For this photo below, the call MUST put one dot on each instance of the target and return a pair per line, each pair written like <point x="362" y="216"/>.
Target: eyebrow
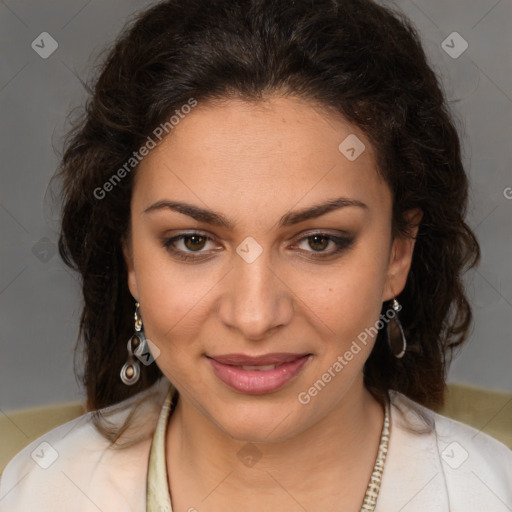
<point x="289" y="219"/>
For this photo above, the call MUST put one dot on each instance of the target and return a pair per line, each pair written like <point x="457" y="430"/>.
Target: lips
<point x="257" y="374"/>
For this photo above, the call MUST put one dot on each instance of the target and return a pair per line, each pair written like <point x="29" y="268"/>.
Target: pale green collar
<point x="157" y="489"/>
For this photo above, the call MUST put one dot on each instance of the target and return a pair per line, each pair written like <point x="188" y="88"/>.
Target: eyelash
<point x="342" y="243"/>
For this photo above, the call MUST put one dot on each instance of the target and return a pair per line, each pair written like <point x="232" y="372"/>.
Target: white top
<point x="450" y="468"/>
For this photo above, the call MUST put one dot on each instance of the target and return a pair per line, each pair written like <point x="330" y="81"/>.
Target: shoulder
<point x="75" y="467"/>
<point x="448" y="430"/>
<point x="471" y="463"/>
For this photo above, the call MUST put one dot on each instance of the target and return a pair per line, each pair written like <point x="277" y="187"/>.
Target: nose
<point x="256" y="300"/>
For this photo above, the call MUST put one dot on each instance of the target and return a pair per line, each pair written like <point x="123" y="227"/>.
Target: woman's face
<point x="261" y="274"/>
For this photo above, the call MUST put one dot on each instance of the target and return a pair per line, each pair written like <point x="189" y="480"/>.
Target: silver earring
<point x="130" y="372"/>
<point x="396" y="337"/>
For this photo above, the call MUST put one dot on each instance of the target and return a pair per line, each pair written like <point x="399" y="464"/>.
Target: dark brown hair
<point x="355" y="57"/>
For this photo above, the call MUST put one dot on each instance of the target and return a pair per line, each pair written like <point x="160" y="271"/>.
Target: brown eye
<point x="190" y="243"/>
<point x="318" y="242"/>
<point x="194" y="242"/>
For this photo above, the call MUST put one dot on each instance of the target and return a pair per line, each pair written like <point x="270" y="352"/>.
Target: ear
<point x="401" y="258"/>
<point x="128" y="258"/>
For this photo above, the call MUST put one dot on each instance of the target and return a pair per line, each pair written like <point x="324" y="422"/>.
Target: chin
<point x="258" y="423"/>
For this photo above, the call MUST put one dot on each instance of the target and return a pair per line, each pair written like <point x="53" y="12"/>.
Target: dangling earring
<point x="396" y="337"/>
<point x="130" y="372"/>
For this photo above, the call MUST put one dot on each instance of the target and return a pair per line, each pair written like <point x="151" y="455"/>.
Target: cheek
<point x="349" y="299"/>
<point x="172" y="304"/>
<point x="169" y="293"/>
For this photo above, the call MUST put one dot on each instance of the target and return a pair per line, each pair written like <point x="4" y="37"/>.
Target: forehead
<point x="243" y="155"/>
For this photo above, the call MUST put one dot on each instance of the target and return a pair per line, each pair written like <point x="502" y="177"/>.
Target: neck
<point x="338" y="451"/>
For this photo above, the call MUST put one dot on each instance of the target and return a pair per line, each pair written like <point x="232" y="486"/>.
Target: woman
<point x="265" y="201"/>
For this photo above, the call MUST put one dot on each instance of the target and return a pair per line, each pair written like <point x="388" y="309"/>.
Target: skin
<point x="254" y="162"/>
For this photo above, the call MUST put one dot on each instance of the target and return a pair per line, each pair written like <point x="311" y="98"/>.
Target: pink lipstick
<point x="257" y="374"/>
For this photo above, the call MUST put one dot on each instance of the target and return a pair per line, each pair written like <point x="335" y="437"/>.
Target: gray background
<point x="39" y="297"/>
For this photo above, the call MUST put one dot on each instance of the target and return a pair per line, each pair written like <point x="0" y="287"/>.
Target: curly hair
<point x="355" y="57"/>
